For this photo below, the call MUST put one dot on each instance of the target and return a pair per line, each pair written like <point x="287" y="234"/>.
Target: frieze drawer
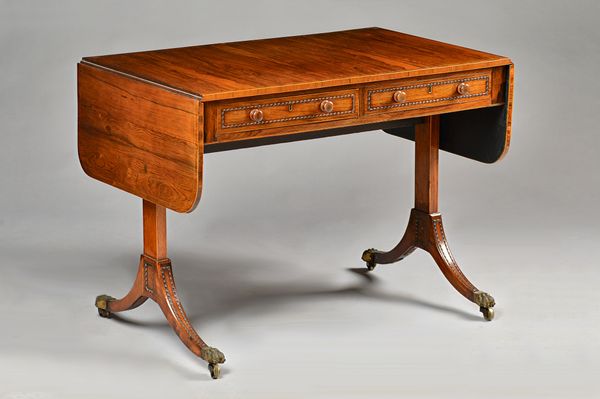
<point x="423" y="93"/>
<point x="257" y="116"/>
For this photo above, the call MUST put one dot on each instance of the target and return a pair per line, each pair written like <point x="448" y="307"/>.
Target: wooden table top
<point x="269" y="66"/>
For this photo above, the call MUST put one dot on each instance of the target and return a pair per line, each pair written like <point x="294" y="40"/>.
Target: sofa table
<point x="146" y="119"/>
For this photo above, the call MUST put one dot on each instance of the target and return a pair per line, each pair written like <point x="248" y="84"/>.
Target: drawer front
<point x="411" y="94"/>
<point x="257" y="115"/>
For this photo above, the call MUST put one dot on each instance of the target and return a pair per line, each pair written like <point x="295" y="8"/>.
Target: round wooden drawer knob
<point x="399" y="96"/>
<point x="463" y="88"/>
<point x="327" y="106"/>
<point x="256" y="115"/>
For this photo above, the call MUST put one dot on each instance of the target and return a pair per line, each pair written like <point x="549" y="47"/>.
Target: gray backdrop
<point x="262" y="263"/>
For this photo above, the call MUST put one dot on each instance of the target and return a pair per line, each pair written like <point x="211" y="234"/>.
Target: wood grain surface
<point x="140" y="138"/>
<point x="269" y="66"/>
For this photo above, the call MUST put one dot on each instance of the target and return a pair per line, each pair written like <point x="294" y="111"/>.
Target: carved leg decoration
<point x="439" y="250"/>
<point x="425" y="229"/>
<point x="155" y="281"/>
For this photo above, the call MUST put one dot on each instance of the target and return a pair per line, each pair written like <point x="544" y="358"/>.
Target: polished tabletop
<point x="269" y="66"/>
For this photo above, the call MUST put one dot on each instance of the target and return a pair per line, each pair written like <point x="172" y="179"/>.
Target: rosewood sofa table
<point x="146" y="119"/>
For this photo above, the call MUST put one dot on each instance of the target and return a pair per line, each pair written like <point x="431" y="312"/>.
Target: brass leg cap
<point x="369" y="257"/>
<point x="102" y="305"/>
<point x="483" y="299"/>
<point x="212" y="355"/>
<point x="215" y="370"/>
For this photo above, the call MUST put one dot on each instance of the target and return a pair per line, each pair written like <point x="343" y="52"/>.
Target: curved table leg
<point x="107" y="305"/>
<point x="155" y="280"/>
<point x="437" y="246"/>
<point x="426" y="231"/>
<point x="405" y="247"/>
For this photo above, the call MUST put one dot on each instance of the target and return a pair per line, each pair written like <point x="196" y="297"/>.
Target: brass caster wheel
<point x="488" y="313"/>
<point x="104" y="313"/>
<point x="215" y="370"/>
<point x="369" y="257"/>
<point x="102" y="305"/>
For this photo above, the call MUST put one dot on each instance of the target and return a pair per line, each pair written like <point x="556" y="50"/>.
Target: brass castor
<point x="102" y="305"/>
<point x="104" y="313"/>
<point x="488" y="313"/>
<point x="215" y="370"/>
<point x="369" y="258"/>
